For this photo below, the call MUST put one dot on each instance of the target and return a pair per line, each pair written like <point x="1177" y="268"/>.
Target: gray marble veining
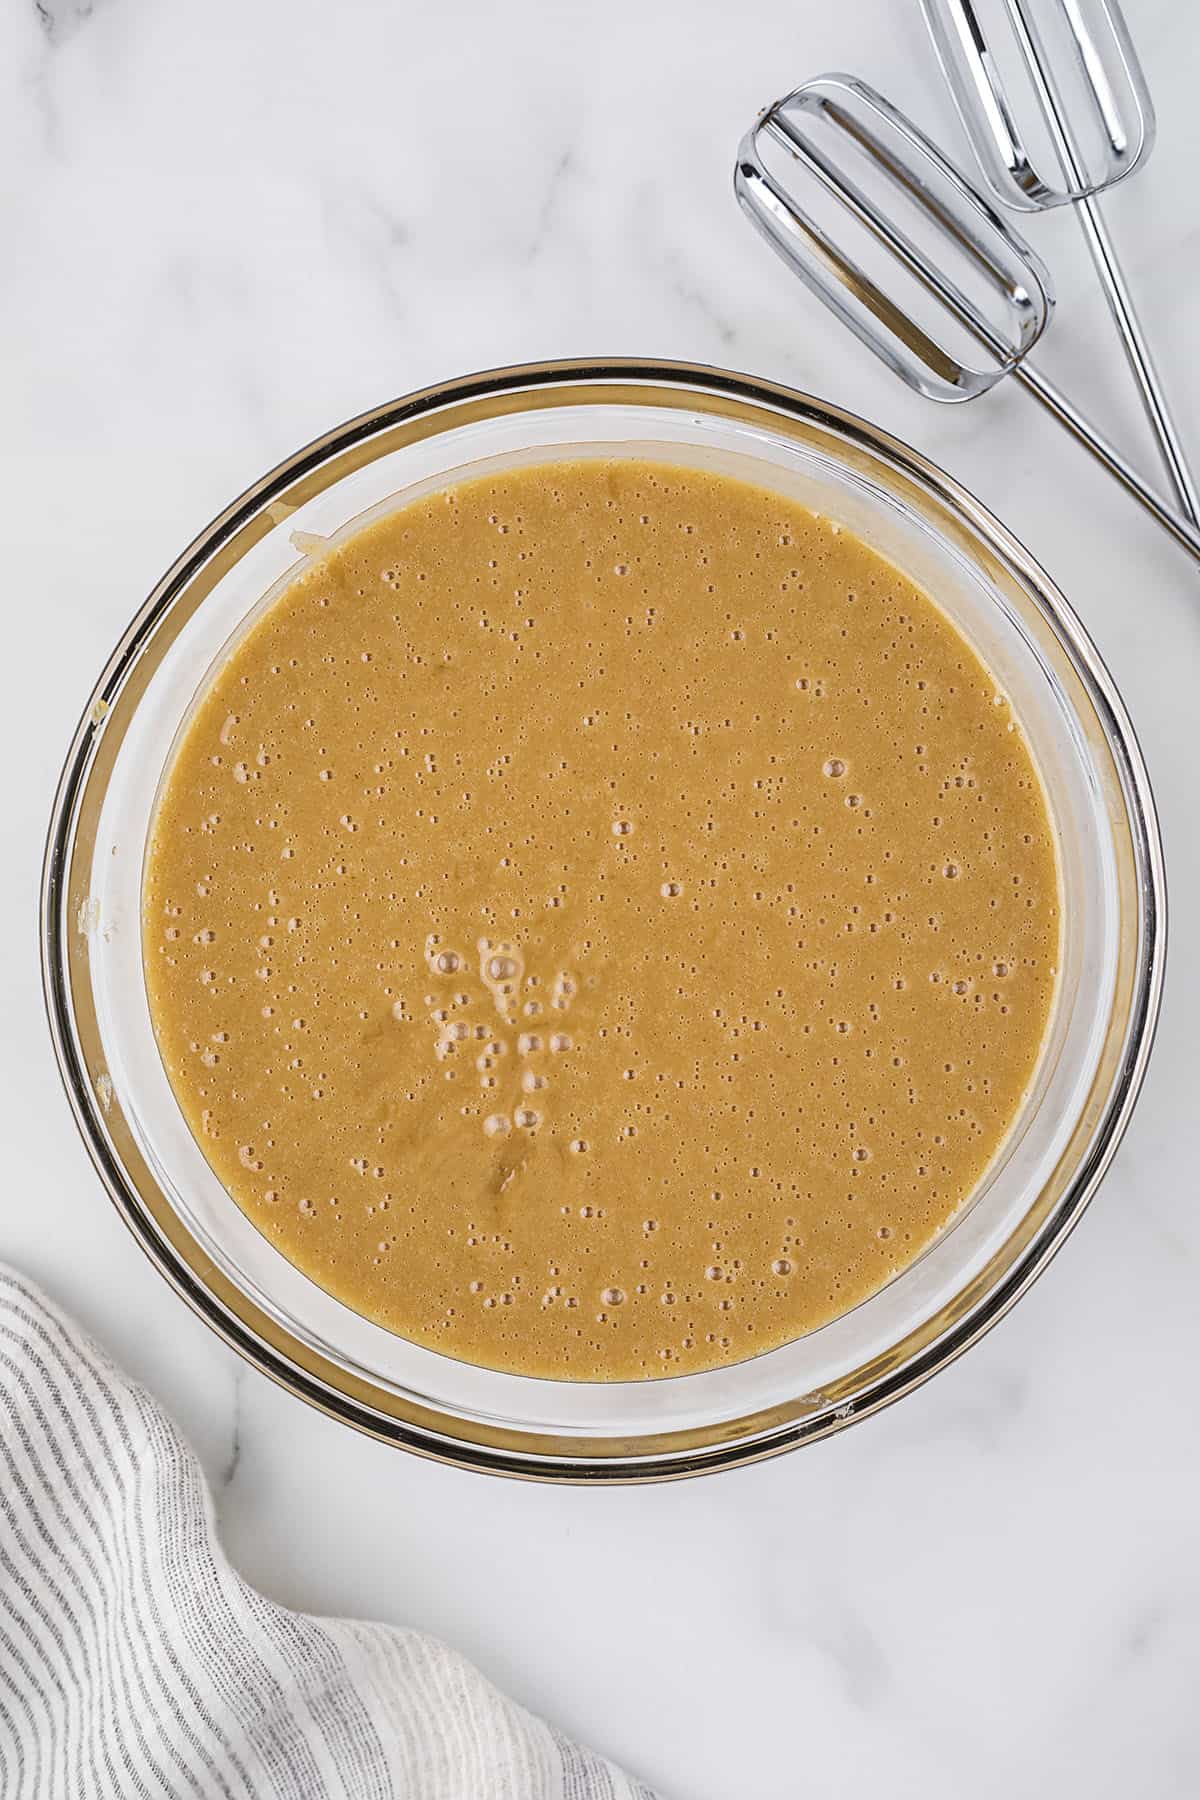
<point x="228" y="227"/>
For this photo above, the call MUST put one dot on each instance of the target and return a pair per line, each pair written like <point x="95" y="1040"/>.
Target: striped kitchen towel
<point x="135" y="1662"/>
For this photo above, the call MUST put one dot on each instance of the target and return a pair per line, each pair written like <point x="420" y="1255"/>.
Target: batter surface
<point x="601" y="920"/>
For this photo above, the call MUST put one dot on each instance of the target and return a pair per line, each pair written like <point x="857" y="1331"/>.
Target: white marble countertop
<point x="227" y="227"/>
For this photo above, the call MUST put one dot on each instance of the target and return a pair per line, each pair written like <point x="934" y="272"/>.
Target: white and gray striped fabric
<point x="135" y="1662"/>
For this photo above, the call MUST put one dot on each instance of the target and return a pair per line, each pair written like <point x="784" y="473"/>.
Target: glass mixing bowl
<point x="1038" y="1184"/>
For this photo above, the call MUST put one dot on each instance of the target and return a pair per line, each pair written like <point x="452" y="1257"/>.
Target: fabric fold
<point x="135" y="1662"/>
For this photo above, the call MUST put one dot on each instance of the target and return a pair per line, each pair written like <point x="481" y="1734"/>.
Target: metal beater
<point x="1098" y="137"/>
<point x="973" y="307"/>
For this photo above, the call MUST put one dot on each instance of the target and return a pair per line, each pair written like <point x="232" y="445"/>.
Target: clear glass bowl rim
<point x="259" y="1339"/>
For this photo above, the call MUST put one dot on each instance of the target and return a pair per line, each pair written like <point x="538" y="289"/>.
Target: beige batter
<point x="601" y="920"/>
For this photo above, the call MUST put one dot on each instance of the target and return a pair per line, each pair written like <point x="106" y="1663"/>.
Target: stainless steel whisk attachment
<point x="893" y="238"/>
<point x="1087" y="101"/>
